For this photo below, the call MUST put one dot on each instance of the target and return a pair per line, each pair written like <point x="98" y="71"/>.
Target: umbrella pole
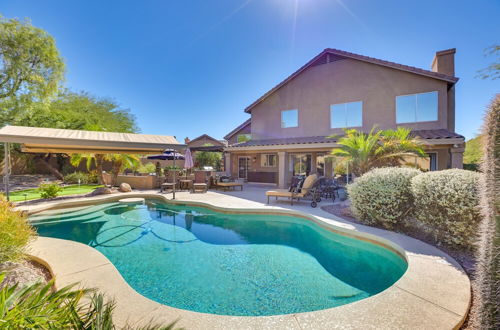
<point x="173" y="189"/>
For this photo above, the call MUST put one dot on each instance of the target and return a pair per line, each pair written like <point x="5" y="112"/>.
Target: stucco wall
<point x="244" y="130"/>
<point x="313" y="91"/>
<point x="202" y="142"/>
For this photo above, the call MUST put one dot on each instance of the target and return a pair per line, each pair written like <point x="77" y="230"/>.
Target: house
<point x="203" y="142"/>
<point x="290" y="124"/>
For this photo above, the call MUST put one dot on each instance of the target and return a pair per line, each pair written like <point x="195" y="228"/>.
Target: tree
<point x="472" y="153"/>
<point x="119" y="162"/>
<point x="208" y="158"/>
<point x="70" y="110"/>
<point x="492" y="71"/>
<point x="364" y="151"/>
<point x="31" y="64"/>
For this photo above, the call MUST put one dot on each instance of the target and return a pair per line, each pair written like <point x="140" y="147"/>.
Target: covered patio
<point x="52" y="140"/>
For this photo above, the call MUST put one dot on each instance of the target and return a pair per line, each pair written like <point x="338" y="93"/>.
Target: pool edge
<point x="403" y="287"/>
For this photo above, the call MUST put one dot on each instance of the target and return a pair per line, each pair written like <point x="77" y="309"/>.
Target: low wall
<point x="138" y="182"/>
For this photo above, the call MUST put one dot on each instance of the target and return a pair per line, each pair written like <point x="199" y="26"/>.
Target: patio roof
<point x="436" y="136"/>
<point x="45" y="140"/>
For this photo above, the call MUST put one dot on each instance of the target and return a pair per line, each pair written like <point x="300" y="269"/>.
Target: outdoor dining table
<point x="185" y="184"/>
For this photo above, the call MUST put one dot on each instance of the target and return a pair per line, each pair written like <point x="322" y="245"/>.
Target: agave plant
<point x="38" y="306"/>
<point x="364" y="151"/>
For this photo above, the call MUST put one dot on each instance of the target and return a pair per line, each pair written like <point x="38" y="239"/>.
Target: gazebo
<point x="52" y="140"/>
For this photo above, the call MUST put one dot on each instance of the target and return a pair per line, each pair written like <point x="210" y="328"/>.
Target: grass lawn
<point x="18" y="196"/>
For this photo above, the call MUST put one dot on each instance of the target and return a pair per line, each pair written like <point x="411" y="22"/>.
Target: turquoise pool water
<point x="231" y="264"/>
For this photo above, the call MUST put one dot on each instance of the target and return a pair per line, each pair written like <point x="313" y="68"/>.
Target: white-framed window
<point x="268" y="160"/>
<point x="416" y="108"/>
<point x="346" y="115"/>
<point x="243" y="137"/>
<point x="289" y="118"/>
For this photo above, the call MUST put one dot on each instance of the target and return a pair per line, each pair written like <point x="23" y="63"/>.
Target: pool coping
<point x="434" y="292"/>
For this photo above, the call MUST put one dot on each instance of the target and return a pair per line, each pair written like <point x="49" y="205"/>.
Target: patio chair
<point x="168" y="184"/>
<point x="294" y="193"/>
<point x="200" y="182"/>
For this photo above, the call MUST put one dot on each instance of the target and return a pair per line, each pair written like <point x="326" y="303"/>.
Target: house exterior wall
<point x="348" y="80"/>
<point x="244" y="130"/>
<point x="203" y="141"/>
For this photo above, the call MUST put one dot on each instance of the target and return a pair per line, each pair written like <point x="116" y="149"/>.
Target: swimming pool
<point x="198" y="259"/>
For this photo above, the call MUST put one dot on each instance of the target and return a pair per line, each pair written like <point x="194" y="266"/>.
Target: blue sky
<point x="186" y="67"/>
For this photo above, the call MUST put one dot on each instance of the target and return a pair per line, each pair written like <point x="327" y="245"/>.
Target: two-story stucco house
<point x="290" y="124"/>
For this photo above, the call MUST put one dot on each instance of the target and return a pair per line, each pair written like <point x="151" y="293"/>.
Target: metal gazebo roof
<point x="44" y="140"/>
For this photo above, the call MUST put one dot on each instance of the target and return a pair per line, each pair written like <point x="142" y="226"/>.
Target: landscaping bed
<point x="31" y="194"/>
<point x="24" y="273"/>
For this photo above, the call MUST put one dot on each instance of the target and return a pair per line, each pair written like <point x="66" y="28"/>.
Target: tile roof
<point x="339" y="54"/>
<point x="436" y="134"/>
<point x="286" y="141"/>
<point x="423" y="134"/>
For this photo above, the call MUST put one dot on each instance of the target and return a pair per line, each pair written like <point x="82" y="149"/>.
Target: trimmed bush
<point x="49" y="190"/>
<point x="447" y="201"/>
<point x="383" y="196"/>
<point x="15" y="232"/>
<point x="85" y="178"/>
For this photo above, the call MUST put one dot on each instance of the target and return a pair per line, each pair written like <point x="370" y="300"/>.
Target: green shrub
<point x="37" y="306"/>
<point x="147" y="168"/>
<point x="15" y="233"/>
<point x="383" y="196"/>
<point x="447" y="201"/>
<point x="85" y="178"/>
<point x="49" y="190"/>
<point x="471" y="167"/>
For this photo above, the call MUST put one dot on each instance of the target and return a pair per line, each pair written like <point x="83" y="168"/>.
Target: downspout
<point x="6" y="169"/>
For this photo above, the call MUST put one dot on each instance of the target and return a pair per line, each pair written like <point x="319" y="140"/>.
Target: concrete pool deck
<point x="433" y="293"/>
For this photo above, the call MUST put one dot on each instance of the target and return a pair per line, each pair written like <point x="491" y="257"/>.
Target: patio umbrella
<point x="188" y="160"/>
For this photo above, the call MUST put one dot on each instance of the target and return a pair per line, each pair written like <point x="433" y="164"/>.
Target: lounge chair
<point x="226" y="183"/>
<point x="294" y="193"/>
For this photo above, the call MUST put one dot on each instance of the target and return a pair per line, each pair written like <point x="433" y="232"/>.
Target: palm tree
<point x="98" y="159"/>
<point x="119" y="162"/>
<point x="364" y="151"/>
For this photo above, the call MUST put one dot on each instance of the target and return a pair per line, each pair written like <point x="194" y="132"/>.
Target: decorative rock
<point x="125" y="187"/>
<point x="101" y="191"/>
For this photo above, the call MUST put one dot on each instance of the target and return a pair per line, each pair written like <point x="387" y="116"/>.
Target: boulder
<point x="101" y="191"/>
<point x="125" y="187"/>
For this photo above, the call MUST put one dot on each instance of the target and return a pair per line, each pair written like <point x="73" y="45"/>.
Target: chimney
<point x="444" y="62"/>
<point x="186" y="140"/>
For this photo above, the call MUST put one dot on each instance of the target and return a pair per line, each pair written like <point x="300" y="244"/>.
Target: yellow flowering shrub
<point x="15" y="232"/>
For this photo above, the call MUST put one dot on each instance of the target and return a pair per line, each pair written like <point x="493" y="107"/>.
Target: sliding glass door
<point x="300" y="164"/>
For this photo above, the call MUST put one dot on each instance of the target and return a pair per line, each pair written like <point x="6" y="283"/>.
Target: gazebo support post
<point x="6" y="163"/>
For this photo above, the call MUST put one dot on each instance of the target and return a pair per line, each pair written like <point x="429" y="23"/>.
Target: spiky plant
<point x="485" y="312"/>
<point x="365" y="151"/>
<point x="38" y="306"/>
